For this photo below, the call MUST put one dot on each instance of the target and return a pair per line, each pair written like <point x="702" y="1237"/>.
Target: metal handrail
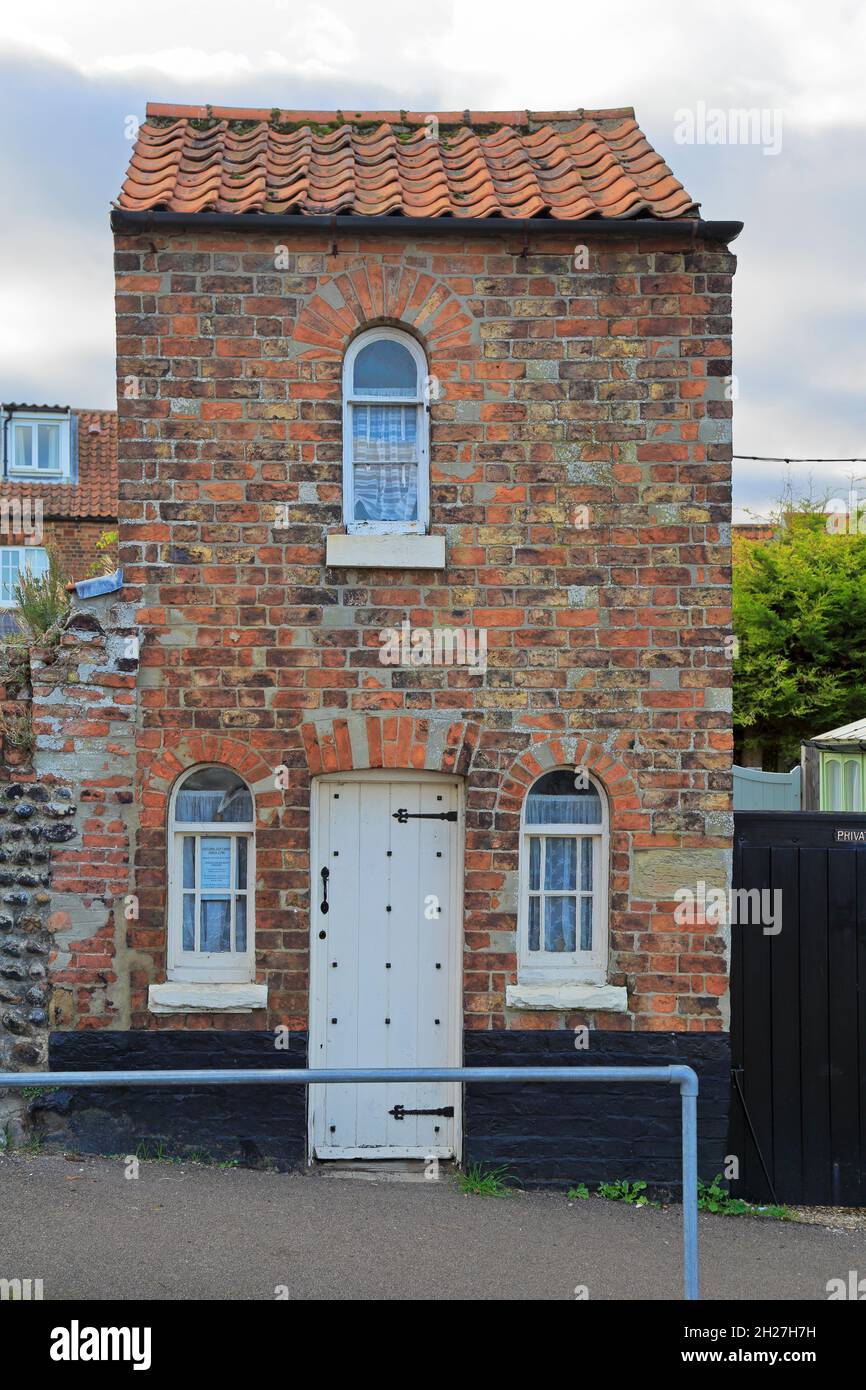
<point x="683" y="1077"/>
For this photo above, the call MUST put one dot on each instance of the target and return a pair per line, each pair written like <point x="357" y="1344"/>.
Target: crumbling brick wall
<point x="65" y="802"/>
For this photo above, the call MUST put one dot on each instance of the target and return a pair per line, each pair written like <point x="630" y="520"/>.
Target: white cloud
<point x="58" y="317"/>
<point x="804" y="59"/>
<point x="190" y="65"/>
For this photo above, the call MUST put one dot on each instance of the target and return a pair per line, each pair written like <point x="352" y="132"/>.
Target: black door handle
<point x="326" y="874"/>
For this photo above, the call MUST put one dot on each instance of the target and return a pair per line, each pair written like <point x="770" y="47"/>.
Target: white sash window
<point x="385" y="434"/>
<point x="211" y="878"/>
<point x="563" y="880"/>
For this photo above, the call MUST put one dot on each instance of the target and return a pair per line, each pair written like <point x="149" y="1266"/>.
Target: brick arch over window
<point x="361" y="741"/>
<point x="372" y="294"/>
<point x="541" y="756"/>
<point x="161" y="775"/>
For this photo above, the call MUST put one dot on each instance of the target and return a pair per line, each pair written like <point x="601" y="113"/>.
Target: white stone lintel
<point x="386" y="552"/>
<point x="182" y="997"/>
<point x="567" y="997"/>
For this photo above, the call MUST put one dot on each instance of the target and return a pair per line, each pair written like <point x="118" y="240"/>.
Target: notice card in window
<point x="216" y="864"/>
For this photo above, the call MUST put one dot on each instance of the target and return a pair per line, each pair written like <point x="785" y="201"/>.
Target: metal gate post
<point x="683" y="1077"/>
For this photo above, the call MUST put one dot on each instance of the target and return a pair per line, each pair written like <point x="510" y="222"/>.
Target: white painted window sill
<point x="386" y="552"/>
<point x="568" y="997"/>
<point x="182" y="997"/>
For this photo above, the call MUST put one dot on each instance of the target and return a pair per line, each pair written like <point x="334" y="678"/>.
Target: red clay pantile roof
<point x="510" y="164"/>
<point x="95" y="493"/>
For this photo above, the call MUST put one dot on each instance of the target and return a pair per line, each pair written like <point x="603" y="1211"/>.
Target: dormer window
<point x="38" y="446"/>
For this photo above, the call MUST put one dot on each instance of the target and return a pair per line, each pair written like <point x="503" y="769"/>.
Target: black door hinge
<point x="400" y="1113"/>
<point x="403" y="815"/>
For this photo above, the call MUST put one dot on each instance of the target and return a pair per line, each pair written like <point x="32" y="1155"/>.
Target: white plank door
<point x="386" y="961"/>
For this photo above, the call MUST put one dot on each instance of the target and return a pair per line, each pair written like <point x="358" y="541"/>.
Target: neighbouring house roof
<point x="756" y="530"/>
<point x="94" y="495"/>
<point x="563" y="165"/>
<point x="846" y="733"/>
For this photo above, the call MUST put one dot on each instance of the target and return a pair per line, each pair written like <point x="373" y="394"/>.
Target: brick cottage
<point x="418" y="692"/>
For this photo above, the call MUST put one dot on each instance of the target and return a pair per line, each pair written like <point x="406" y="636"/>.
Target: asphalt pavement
<point x="184" y="1231"/>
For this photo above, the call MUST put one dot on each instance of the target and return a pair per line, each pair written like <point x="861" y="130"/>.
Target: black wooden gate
<point x="798" y="1010"/>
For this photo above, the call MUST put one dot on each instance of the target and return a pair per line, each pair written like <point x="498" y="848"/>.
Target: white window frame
<point x="555" y="967"/>
<point x="32" y="419"/>
<point x="208" y="966"/>
<point x="24" y="553"/>
<point x="386" y="528"/>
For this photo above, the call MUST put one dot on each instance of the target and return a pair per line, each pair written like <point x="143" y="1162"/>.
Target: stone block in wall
<point x="658" y="874"/>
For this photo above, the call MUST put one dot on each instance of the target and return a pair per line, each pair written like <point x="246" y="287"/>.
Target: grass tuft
<point x="478" y="1181"/>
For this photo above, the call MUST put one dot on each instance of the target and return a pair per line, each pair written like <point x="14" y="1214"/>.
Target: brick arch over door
<point x="372" y="294"/>
<point x="362" y="741"/>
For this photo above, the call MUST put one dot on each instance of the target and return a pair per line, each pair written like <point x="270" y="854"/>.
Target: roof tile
<point x="511" y="164"/>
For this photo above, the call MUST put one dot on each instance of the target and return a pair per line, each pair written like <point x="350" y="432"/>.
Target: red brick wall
<point x="77" y="543"/>
<point x="560" y="389"/>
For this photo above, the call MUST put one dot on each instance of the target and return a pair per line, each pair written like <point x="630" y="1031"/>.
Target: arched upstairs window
<point x="211" y="904"/>
<point x="563" y="931"/>
<point x="385" y="435"/>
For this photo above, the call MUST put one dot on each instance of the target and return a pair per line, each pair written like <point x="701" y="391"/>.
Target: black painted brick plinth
<point x="551" y="1135"/>
<point x="545" y="1134"/>
<point x="255" y="1125"/>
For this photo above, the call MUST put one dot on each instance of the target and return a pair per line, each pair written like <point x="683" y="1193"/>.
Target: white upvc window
<point x="15" y="560"/>
<point x="563" y="928"/>
<point x="39" y="446"/>
<point x="211" y="897"/>
<point x="386" y="457"/>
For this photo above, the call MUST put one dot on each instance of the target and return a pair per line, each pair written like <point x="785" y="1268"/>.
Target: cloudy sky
<point x="71" y="76"/>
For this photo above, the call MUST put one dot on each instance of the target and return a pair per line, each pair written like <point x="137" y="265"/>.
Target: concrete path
<point x="181" y="1232"/>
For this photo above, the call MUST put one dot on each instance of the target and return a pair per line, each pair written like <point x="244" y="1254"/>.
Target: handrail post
<point x="688" y="1084"/>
